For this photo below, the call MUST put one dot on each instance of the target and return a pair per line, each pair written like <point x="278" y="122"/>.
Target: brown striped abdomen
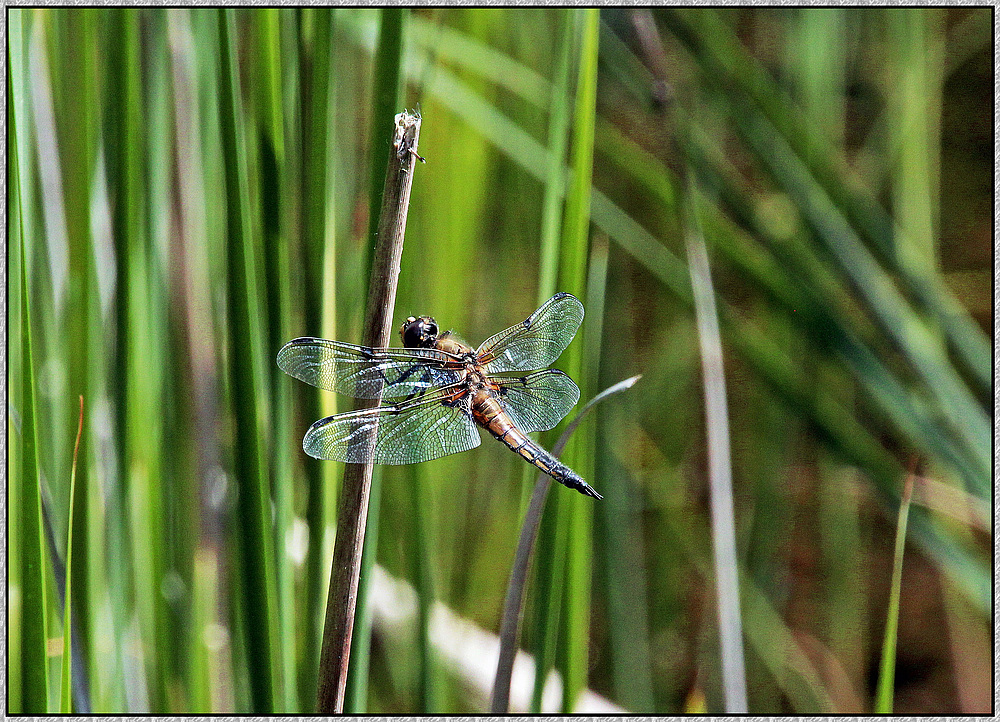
<point x="488" y="413"/>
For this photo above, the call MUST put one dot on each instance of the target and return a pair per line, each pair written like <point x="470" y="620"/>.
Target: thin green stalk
<point x="246" y="374"/>
<point x="66" y="689"/>
<point x="274" y="215"/>
<point x="34" y="681"/>
<point x="356" y="695"/>
<point x="549" y="576"/>
<point x="564" y="571"/>
<point x="386" y="99"/>
<point x="887" y="666"/>
<point x="314" y="62"/>
<point x="76" y="110"/>
<point x="123" y="140"/>
<point x="555" y="177"/>
<point x="572" y="278"/>
<point x="168" y="549"/>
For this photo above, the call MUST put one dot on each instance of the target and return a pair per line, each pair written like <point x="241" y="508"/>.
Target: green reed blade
<point x="66" y="691"/>
<point x="555" y="178"/>
<point x="34" y="680"/>
<point x="314" y="41"/>
<point x="246" y="376"/>
<point x="887" y="666"/>
<point x="572" y="278"/>
<point x="275" y="183"/>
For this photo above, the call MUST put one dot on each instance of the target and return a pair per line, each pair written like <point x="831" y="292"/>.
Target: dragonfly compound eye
<point x="419" y="332"/>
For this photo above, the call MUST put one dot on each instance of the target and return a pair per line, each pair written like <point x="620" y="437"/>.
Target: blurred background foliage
<point x="839" y="165"/>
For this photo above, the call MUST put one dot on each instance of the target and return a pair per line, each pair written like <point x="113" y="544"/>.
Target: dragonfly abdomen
<point x="488" y="413"/>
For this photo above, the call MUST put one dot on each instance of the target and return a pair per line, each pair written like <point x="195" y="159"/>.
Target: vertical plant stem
<point x="388" y="54"/>
<point x="555" y="174"/>
<point x="549" y="577"/>
<point x="274" y="212"/>
<point x="565" y="512"/>
<point x="352" y="517"/>
<point x="315" y="82"/>
<point x="388" y="61"/>
<point x="34" y="681"/>
<point x="65" y="693"/>
<point x="887" y="667"/>
<point x="572" y="278"/>
<point x="356" y="694"/>
<point x="719" y="472"/>
<point x="76" y="116"/>
<point x="122" y="141"/>
<point x="246" y="372"/>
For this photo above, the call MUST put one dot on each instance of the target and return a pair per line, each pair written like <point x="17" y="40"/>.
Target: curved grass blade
<point x="66" y="691"/>
<point x="514" y="599"/>
<point x="719" y="469"/>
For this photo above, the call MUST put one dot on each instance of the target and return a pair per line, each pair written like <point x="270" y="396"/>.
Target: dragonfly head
<point x="419" y="332"/>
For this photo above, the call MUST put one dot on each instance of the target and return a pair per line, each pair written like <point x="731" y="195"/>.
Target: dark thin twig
<point x="353" y="512"/>
<point x="513" y="603"/>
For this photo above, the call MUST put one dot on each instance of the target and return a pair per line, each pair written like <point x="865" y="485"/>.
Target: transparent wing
<point x="407" y="433"/>
<point x="537" y="341"/>
<point x="538" y="401"/>
<point x="360" y="371"/>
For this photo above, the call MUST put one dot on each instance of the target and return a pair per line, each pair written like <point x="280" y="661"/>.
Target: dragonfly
<point x="436" y="391"/>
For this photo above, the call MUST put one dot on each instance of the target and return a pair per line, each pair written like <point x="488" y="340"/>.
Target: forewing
<point x="538" y="401"/>
<point x="406" y="433"/>
<point x="360" y="371"/>
<point x="537" y="341"/>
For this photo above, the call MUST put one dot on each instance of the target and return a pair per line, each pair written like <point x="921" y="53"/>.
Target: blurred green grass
<point x="826" y="143"/>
